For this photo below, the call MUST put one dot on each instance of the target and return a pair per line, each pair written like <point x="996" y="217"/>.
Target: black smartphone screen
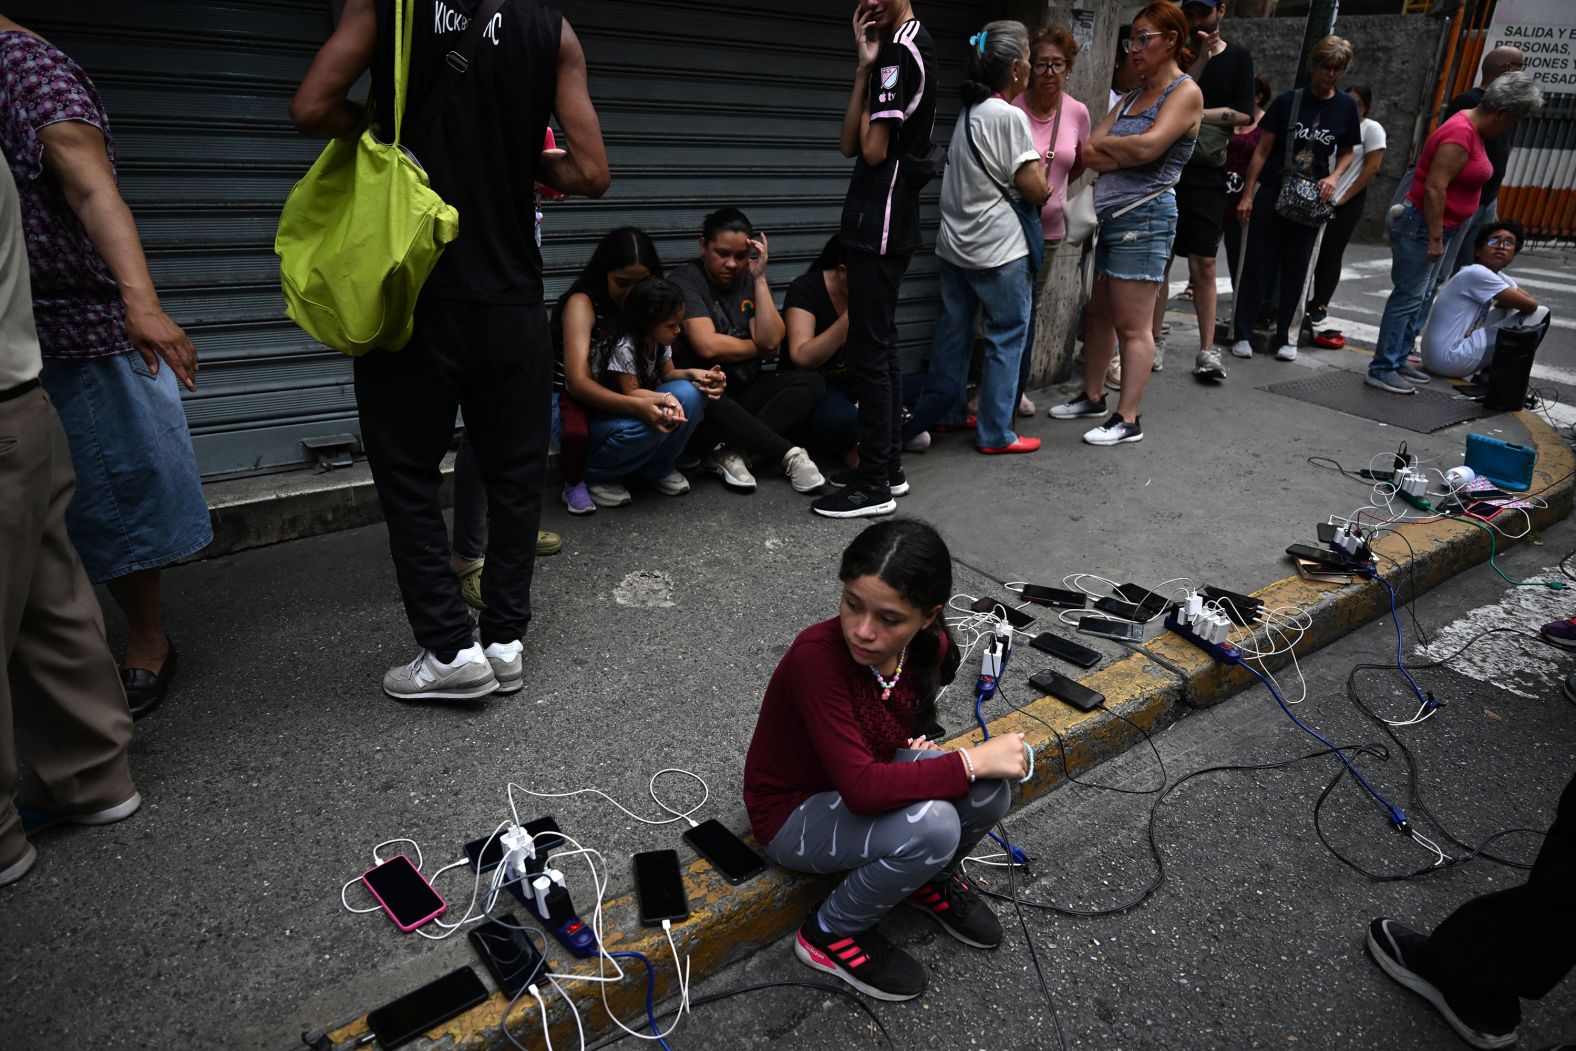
<point x="403" y="1020"/>
<point x="728" y="853"/>
<point x="659" y="888"/>
<point x="1064" y="689"/>
<point x="1326" y="532"/>
<point x="1016" y="617"/>
<point x="1066" y="649"/>
<point x="509" y="955"/>
<point x="1066" y="598"/>
<point x="1132" y="611"/>
<point x="1143" y="597"/>
<point x="403" y="893"/>
<point x="1111" y="629"/>
<point x="1322" y="555"/>
<point x="486" y="853"/>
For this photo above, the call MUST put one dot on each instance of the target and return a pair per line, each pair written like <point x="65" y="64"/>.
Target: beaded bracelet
<point x="968" y="762"/>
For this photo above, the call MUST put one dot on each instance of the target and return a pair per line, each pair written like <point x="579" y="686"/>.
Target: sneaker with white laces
<point x="1207" y="366"/>
<point x="1413" y="375"/>
<point x="1395" y="947"/>
<point x="1286" y="353"/>
<point x="730" y="467"/>
<point x="609" y="494"/>
<point x="1078" y="406"/>
<point x="1115" y="431"/>
<point x="508" y="664"/>
<point x="1389" y="382"/>
<point x="802" y="473"/>
<point x="674" y="484"/>
<point x="1242" y="349"/>
<point x="1113" y="372"/>
<point x="467" y="677"/>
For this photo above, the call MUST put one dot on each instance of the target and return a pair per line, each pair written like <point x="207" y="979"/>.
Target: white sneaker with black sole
<point x="803" y="474"/>
<point x="508" y="663"/>
<point x="1115" y="431"/>
<point x="426" y="678"/>
<point x="731" y="468"/>
<point x="1078" y="407"/>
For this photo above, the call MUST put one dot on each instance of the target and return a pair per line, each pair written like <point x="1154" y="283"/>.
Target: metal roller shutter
<point x="699" y="109"/>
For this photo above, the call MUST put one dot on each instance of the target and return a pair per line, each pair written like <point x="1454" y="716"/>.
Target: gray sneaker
<point x="508" y="663"/>
<point x="1160" y="349"/>
<point x="802" y="473"/>
<point x="1412" y="374"/>
<point x="426" y="678"/>
<point x="1207" y="366"/>
<point x="1391" y="382"/>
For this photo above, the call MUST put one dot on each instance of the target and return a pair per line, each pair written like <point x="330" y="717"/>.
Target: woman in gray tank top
<point x="1139" y="148"/>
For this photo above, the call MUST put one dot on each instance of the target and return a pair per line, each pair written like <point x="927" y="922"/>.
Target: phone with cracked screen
<point x="659" y="887"/>
<point x="1063" y="598"/>
<point x="404" y="893"/>
<point x="1122" y="630"/>
<point x="728" y="854"/>
<point x="403" y="1020"/>
<point x="1066" y="649"/>
<point x="508" y="953"/>
<point x="1016" y="617"/>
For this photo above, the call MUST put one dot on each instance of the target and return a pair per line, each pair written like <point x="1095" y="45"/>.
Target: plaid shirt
<point x="76" y="302"/>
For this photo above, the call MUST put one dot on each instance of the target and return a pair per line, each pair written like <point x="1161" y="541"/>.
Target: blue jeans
<point x="1005" y="293"/>
<point x="623" y="445"/>
<point x="834" y="426"/>
<point x="1413" y="276"/>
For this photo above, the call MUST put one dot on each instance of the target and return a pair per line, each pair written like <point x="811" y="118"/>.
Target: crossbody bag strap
<point x="455" y="63"/>
<point x="968" y="133"/>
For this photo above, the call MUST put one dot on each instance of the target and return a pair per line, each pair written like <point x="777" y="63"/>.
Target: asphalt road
<point x="1255" y="938"/>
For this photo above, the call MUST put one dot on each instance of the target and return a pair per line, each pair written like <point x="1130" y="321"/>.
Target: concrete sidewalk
<point x="213" y="917"/>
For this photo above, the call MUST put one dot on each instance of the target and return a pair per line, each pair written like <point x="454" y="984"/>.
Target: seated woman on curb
<point x="838" y="778"/>
<point x="816" y="313"/>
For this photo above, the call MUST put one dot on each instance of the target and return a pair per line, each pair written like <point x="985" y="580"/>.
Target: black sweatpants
<point x="875" y="373"/>
<point x="756" y="419"/>
<point x="1337" y="235"/>
<point x="1516" y="943"/>
<point x="1275" y="246"/>
<point x="495" y="362"/>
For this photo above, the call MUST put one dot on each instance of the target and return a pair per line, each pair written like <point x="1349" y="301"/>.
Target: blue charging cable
<point x="651" y="987"/>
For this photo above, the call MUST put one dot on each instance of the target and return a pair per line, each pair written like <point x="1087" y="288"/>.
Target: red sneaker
<point x="969" y="423"/>
<point x="1022" y="445"/>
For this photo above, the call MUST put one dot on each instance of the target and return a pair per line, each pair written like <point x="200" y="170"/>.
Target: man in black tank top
<point x="481" y="339"/>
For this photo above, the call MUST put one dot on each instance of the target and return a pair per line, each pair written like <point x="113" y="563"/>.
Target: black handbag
<point x="1028" y="215"/>
<point x="1299" y="200"/>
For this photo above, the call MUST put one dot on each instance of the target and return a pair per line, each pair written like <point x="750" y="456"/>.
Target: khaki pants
<point x="62" y="708"/>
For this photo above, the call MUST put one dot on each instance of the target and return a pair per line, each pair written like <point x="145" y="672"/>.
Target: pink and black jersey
<point x="881" y="212"/>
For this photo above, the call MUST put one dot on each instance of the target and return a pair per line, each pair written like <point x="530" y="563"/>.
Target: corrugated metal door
<point x="700" y="106"/>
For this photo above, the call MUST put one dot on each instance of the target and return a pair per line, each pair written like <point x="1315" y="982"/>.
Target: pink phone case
<point x="401" y="859"/>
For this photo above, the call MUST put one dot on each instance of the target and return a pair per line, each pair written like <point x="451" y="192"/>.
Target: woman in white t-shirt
<point x="1350" y="193"/>
<point x="982" y="246"/>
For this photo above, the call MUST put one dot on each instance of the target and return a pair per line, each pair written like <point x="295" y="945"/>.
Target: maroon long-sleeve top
<point x="824" y="727"/>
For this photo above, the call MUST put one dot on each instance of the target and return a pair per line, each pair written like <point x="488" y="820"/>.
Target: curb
<point x="729" y="923"/>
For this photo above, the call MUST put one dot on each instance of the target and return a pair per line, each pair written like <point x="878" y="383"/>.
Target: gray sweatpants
<point x="890" y="855"/>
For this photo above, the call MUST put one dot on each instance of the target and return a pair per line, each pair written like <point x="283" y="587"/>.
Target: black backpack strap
<point x="455" y="63"/>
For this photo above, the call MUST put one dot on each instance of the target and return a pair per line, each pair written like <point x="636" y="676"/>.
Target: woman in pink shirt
<point x="1446" y="186"/>
<point x="1060" y="126"/>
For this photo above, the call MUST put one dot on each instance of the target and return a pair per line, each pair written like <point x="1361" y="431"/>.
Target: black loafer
<point x="144" y="689"/>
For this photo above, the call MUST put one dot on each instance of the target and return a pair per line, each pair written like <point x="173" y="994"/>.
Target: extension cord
<point x="1224" y="652"/>
<point x="1417" y="501"/>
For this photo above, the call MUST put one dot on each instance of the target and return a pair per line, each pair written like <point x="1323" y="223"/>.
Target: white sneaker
<point x="427" y="678"/>
<point x="1160" y="350"/>
<point x="917" y="444"/>
<point x="19" y="868"/>
<point x="801" y="471"/>
<point x="674" y="484"/>
<point x="1113" y="371"/>
<point x="1208" y="366"/>
<point x="508" y="664"/>
<point x="731" y="468"/>
<point x="1286" y="353"/>
<point x="612" y="494"/>
<point x="1242" y="349"/>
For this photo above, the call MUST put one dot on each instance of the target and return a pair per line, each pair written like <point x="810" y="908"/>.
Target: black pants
<point x="873" y="366"/>
<point x="1275" y="246"/>
<point x="756" y="418"/>
<point x="496" y="363"/>
<point x="1517" y="943"/>
<point x="1231" y="237"/>
<point x="1337" y="235"/>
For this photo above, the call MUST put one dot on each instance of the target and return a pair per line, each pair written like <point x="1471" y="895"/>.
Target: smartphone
<point x="1132" y="611"/>
<point x="486" y="853"/>
<point x="729" y="854"/>
<point x="1064" y="689"/>
<point x="1144" y="597"/>
<point x="1066" y="649"/>
<point x="1066" y="598"/>
<point x="659" y="888"/>
<point x="1323" y="555"/>
<point x="509" y="955"/>
<point x="404" y="893"/>
<point x="755" y="253"/>
<point x="401" y="1021"/>
<point x="1125" y="630"/>
<point x="1326" y="532"/>
<point x="1243" y="610"/>
<point x="1482" y="509"/>
<point x="1016" y="617"/>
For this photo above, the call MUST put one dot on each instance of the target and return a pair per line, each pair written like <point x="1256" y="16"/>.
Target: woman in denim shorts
<point x="1140" y="148"/>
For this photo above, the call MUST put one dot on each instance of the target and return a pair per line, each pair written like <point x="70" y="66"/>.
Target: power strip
<point x="1190" y="625"/>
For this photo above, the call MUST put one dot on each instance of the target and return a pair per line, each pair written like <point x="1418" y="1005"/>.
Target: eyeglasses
<point x="1139" y="41"/>
<point x="1042" y="68"/>
<point x="1501" y="242"/>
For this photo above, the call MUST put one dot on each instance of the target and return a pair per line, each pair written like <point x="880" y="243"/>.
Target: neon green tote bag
<point x="361" y="232"/>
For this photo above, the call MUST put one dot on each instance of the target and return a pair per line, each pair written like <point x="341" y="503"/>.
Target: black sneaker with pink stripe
<point x="866" y="961"/>
<point x="953" y="902"/>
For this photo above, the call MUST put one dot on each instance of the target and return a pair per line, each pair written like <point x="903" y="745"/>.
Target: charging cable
<point x="678" y="815"/>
